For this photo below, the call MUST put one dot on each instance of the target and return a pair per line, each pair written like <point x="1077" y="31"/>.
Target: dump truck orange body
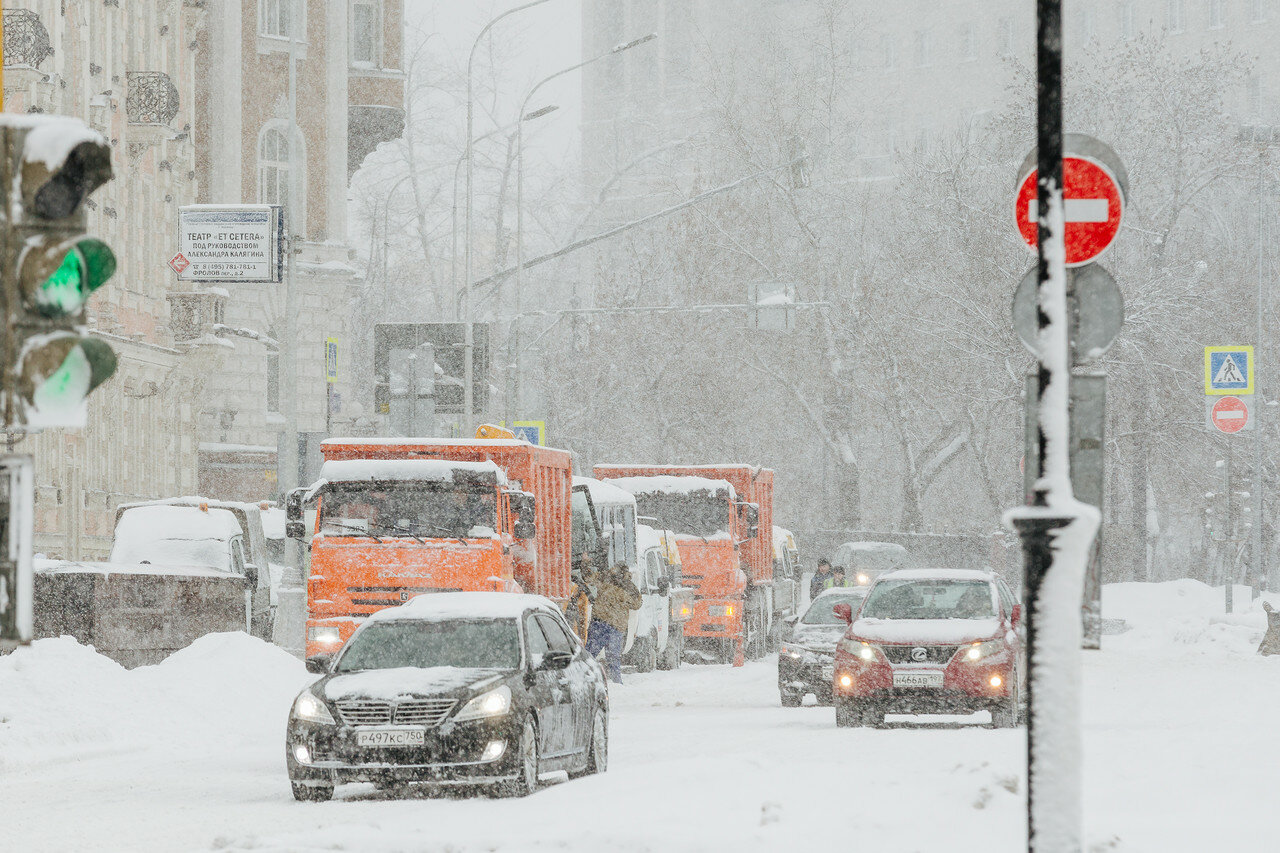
<point x="722" y="516"/>
<point x="397" y="518"/>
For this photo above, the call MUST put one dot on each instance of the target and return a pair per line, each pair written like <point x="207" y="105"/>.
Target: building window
<point x="1128" y="24"/>
<point x="1006" y="36"/>
<point x="1215" y="14"/>
<point x="275" y="17"/>
<point x="924" y="48"/>
<point x="1173" y="15"/>
<point x="366" y="33"/>
<point x="1257" y="11"/>
<point x="968" y="42"/>
<point x="273" y="173"/>
<point x="890" y="51"/>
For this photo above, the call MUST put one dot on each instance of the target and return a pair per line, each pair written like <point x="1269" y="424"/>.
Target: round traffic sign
<point x="1230" y="414"/>
<point x="1093" y="204"/>
<point x="1096" y="311"/>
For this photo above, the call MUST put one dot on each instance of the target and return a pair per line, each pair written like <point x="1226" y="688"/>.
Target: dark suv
<point x="461" y="688"/>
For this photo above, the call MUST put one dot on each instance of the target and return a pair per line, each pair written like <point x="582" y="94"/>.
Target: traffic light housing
<point x="50" y="268"/>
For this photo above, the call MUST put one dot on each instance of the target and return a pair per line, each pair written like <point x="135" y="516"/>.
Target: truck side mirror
<point x="295" y="530"/>
<point x="250" y="576"/>
<point x="664" y="585"/>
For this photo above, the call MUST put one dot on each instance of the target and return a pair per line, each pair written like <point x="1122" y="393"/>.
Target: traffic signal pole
<point x="1055" y="529"/>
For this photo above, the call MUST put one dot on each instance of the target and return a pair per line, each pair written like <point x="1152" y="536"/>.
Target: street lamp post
<point x="513" y="342"/>
<point x="468" y="340"/>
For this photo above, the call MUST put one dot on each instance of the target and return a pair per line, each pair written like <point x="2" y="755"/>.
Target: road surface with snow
<point x="1180" y="749"/>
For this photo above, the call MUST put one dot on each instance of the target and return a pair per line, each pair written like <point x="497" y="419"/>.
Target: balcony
<point x="26" y="41"/>
<point x="152" y="98"/>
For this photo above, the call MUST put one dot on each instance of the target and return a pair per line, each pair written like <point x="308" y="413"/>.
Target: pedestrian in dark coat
<point x="820" y="578"/>
<point x="616" y="597"/>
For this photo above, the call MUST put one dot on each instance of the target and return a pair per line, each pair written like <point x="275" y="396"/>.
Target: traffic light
<point x="50" y="268"/>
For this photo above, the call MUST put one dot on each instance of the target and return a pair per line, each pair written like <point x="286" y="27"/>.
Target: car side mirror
<point x="250" y="576"/>
<point x="1016" y="615"/>
<point x="843" y="612"/>
<point x="792" y="619"/>
<point x="554" y="660"/>
<point x="319" y="664"/>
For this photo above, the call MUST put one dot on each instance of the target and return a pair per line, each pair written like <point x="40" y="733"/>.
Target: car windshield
<point x="417" y="509"/>
<point x="929" y="599"/>
<point x="489" y="643"/>
<point x="820" y="612"/>
<point x="699" y="513"/>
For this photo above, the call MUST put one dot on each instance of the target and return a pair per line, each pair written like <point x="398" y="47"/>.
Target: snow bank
<point x="62" y="701"/>
<point x="1187" y="614"/>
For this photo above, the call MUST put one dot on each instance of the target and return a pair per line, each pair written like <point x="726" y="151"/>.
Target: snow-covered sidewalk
<point x="188" y="755"/>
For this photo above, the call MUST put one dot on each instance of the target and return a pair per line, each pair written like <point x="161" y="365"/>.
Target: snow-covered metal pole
<point x="1056" y="530"/>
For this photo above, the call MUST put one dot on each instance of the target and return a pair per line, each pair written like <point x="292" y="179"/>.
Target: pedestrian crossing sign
<point x="1228" y="370"/>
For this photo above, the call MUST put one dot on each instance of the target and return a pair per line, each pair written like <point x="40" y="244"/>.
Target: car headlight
<point x="309" y="707"/>
<point x="863" y="651"/>
<point x="792" y="650"/>
<point x="495" y="703"/>
<point x="327" y="634"/>
<point x="978" y="651"/>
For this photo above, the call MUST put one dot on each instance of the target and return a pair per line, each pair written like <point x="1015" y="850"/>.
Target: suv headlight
<point x="863" y="651"/>
<point x="985" y="649"/>
<point x="309" y="707"/>
<point x="495" y="703"/>
<point x="792" y="650"/>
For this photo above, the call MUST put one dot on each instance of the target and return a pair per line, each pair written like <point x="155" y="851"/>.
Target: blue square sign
<point x="1228" y="370"/>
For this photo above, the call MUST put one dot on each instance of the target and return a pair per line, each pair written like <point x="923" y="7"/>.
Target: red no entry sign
<point x="1230" y="414"/>
<point x="1093" y="204"/>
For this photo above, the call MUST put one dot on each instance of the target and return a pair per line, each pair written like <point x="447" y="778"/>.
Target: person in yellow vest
<point x="836" y="579"/>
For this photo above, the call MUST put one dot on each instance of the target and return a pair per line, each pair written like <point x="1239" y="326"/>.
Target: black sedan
<point x="467" y="688"/>
<point x="807" y="658"/>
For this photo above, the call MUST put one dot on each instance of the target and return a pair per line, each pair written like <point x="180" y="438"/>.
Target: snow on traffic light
<point x="50" y="269"/>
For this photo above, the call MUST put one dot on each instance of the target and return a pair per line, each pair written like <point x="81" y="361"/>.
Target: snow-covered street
<point x="188" y="756"/>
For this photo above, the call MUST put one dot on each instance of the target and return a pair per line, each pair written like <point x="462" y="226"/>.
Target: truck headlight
<point x="327" y="634"/>
<point x="495" y="703"/>
<point x="309" y="707"/>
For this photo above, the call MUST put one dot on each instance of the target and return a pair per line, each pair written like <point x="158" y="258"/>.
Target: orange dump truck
<point x="717" y="513"/>
<point x="400" y="517"/>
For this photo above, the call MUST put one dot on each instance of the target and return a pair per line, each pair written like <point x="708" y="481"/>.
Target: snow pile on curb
<point x="1186" y="613"/>
<point x="60" y="700"/>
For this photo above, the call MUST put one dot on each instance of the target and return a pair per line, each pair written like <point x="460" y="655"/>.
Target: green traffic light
<point x="61" y="373"/>
<point x="84" y="267"/>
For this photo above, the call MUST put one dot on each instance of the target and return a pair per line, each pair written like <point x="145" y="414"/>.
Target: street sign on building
<point x="1230" y="414"/>
<point x="1094" y="185"/>
<point x="239" y="242"/>
<point x="1228" y="370"/>
<point x="534" y="432"/>
<point x="331" y="360"/>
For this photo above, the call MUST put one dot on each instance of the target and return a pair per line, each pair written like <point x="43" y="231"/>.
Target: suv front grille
<point x="411" y="712"/>
<point x="933" y="654"/>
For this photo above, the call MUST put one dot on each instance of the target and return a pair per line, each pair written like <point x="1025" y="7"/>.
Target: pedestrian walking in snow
<point x="820" y="578"/>
<point x="616" y="597"/>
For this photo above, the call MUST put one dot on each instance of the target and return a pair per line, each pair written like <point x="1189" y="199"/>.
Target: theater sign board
<point x="239" y="242"/>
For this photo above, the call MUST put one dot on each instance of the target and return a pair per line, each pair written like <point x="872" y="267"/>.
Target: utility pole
<point x="291" y="621"/>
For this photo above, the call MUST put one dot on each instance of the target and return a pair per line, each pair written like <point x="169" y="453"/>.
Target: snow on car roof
<point x="937" y="575"/>
<point x="72" y="567"/>
<point x="465" y="605"/>
<point x="432" y="470"/>
<point x="427" y="442"/>
<point x="874" y="547"/>
<point x="647" y="537"/>
<point x="672" y="484"/>
<point x="152" y="521"/>
<point x="604" y="492"/>
<point x="780" y="536"/>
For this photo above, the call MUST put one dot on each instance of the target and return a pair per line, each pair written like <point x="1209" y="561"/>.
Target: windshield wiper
<point x="353" y="529"/>
<point x="398" y="529"/>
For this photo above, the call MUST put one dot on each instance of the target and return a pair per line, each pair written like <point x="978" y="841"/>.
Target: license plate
<point x="718" y="610"/>
<point x="917" y="679"/>
<point x="391" y="737"/>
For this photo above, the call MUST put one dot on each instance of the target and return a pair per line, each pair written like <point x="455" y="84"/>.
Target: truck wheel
<point x="646" y="655"/>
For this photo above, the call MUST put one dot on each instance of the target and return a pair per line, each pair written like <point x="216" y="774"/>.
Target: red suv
<point x="930" y="641"/>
